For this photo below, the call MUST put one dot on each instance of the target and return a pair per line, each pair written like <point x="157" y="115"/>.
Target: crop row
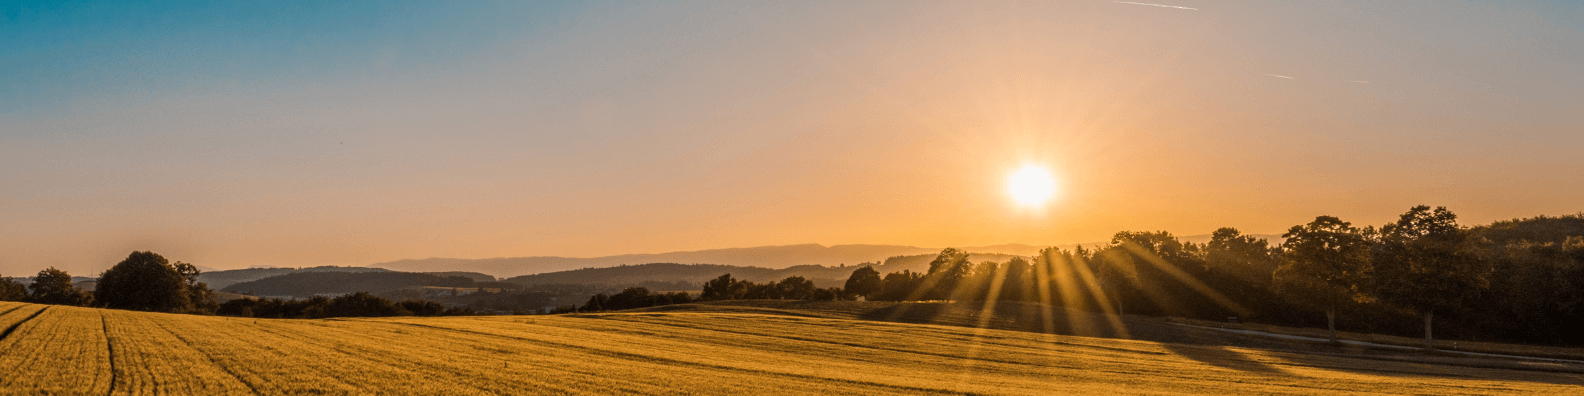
<point x="55" y="349"/>
<point x="58" y="349"/>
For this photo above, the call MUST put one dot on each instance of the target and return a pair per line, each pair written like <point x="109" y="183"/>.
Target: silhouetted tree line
<point x="360" y="304"/>
<point x="1520" y="280"/>
<point x="146" y="281"/>
<point x="633" y="297"/>
<point x="726" y="287"/>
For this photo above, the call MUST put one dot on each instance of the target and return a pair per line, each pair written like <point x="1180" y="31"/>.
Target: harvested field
<point x="74" y="350"/>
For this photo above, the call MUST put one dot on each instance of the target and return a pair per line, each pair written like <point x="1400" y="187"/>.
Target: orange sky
<point x="587" y="130"/>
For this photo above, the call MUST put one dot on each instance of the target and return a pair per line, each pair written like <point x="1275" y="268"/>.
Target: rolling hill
<point x="220" y="279"/>
<point x="767" y="257"/>
<point x="771" y="257"/>
<point x="72" y="350"/>
<point x="309" y="284"/>
<point x="697" y="274"/>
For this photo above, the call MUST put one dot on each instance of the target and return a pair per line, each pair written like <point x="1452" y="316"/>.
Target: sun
<point x="1031" y="185"/>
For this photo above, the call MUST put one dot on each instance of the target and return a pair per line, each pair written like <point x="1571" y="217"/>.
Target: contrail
<point x="1361" y="81"/>
<point x="1156" y="5"/>
<point x="1279" y="76"/>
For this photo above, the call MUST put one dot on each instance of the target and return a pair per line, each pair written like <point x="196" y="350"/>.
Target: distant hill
<point x="219" y="280"/>
<point x="769" y="257"/>
<point x="311" y="283"/>
<point x="697" y="274"/>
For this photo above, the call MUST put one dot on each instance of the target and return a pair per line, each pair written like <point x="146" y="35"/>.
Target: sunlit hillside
<point x="71" y="350"/>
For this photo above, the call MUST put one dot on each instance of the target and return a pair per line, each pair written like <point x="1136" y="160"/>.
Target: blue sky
<point x="348" y="133"/>
<point x="58" y="52"/>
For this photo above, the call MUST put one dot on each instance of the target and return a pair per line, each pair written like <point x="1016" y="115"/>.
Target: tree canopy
<point x="1326" y="263"/>
<point x="865" y="281"/>
<point x="53" y="286"/>
<point x="11" y="290"/>
<point x="1426" y="262"/>
<point x="145" y="281"/>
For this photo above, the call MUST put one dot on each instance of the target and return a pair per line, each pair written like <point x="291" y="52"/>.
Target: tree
<point x="796" y="288"/>
<point x="423" y="307"/>
<point x="199" y="297"/>
<point x="11" y="290"/>
<point x="595" y="303"/>
<point x="144" y="281"/>
<point x="632" y="297"/>
<point x="761" y="291"/>
<point x="864" y="281"/>
<point x="723" y="287"/>
<point x="1325" y="262"/>
<point x="1426" y="263"/>
<point x="53" y="286"/>
<point x="1117" y="276"/>
<point x="945" y="273"/>
<point x="898" y="286"/>
<point x="1241" y="267"/>
<point x="1017" y="280"/>
<point x="362" y="304"/>
<point x="1242" y="257"/>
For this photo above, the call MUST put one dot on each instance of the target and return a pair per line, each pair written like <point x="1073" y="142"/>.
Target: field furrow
<point x="276" y="364"/>
<point x="69" y="350"/>
<point x="12" y="317"/>
<point x="622" y="374"/>
<point x="62" y="350"/>
<point x="146" y="357"/>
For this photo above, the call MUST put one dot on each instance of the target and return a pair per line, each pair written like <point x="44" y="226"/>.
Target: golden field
<point x="71" y="350"/>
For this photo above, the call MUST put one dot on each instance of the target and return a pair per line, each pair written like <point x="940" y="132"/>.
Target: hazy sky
<point x="338" y="133"/>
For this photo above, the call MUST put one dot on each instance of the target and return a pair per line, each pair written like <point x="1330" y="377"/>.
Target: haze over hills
<point x="771" y="257"/>
<point x="697" y="274"/>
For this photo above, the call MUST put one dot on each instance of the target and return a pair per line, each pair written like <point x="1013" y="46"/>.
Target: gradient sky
<point x="341" y="133"/>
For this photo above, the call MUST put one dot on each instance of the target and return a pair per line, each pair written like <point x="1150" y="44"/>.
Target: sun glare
<point x="1031" y="185"/>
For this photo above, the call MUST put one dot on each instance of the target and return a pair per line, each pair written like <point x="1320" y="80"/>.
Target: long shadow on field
<point x="1203" y="345"/>
<point x="1220" y="356"/>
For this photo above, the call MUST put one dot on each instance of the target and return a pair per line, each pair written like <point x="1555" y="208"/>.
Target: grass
<point x="699" y="349"/>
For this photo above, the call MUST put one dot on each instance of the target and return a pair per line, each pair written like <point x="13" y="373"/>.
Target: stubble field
<point x="71" y="350"/>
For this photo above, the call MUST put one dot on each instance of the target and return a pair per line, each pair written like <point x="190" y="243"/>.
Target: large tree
<point x="864" y="281"/>
<point x="53" y="286"/>
<point x="1426" y="263"/>
<point x="1325" y="263"/>
<point x="144" y="281"/>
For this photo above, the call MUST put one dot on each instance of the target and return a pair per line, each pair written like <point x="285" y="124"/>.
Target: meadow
<point x="721" y="350"/>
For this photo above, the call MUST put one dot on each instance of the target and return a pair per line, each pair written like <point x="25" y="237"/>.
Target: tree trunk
<point x="1331" y="324"/>
<point x="1429" y="344"/>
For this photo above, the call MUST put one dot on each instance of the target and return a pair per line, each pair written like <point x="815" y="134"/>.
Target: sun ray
<point x="1186" y="279"/>
<point x="1112" y="314"/>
